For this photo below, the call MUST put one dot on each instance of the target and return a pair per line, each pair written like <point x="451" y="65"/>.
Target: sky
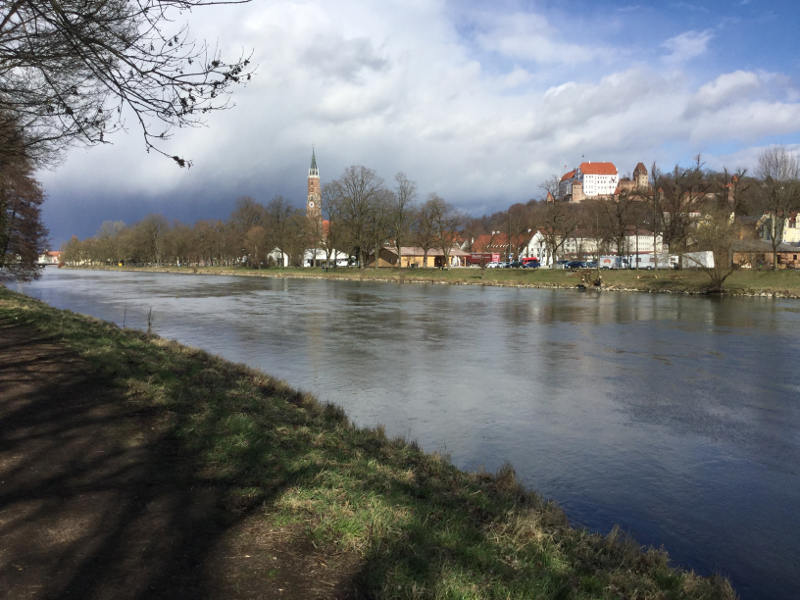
<point x="477" y="102"/>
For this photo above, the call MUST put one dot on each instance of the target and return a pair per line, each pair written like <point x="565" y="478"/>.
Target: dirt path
<point x="97" y="502"/>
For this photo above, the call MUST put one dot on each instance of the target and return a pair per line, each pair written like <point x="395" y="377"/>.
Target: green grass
<point x="785" y="283"/>
<point x="420" y="527"/>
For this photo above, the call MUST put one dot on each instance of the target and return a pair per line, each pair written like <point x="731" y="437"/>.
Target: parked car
<point x="575" y="264"/>
<point x="530" y="264"/>
<point x="492" y="265"/>
<point x="561" y="264"/>
<point x="515" y="264"/>
<point x="591" y="264"/>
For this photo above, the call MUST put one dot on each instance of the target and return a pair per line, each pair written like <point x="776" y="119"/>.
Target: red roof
<point x="487" y="242"/>
<point x="569" y="175"/>
<point x="598" y="168"/>
<point x="480" y="243"/>
<point x="640" y="168"/>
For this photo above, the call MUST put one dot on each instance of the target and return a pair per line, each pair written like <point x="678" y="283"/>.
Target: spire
<point x="313" y="171"/>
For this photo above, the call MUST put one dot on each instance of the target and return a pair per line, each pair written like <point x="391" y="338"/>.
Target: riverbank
<point x="255" y="489"/>
<point x="744" y="282"/>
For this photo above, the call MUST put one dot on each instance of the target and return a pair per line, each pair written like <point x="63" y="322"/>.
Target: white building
<point x="599" y="179"/>
<point x="320" y="256"/>
<point x="791" y="229"/>
<point x="582" y="245"/>
<point x="589" y="180"/>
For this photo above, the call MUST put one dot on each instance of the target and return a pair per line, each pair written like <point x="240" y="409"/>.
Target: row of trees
<point x="362" y="215"/>
<point x="252" y="231"/>
<point x="690" y="208"/>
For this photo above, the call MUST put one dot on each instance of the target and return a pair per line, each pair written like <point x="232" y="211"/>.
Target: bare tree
<point x="108" y="241"/>
<point x="615" y="218"/>
<point x="682" y="195"/>
<point x="70" y="70"/>
<point x="444" y="221"/>
<point x="518" y="223"/>
<point x="248" y="213"/>
<point x="401" y="211"/>
<point x="355" y="194"/>
<point x="716" y="232"/>
<point x="256" y="242"/>
<point x="379" y="222"/>
<point x="278" y="223"/>
<point x="425" y="231"/>
<point x="149" y="234"/>
<point x="334" y="238"/>
<point x="557" y="220"/>
<point x="779" y="171"/>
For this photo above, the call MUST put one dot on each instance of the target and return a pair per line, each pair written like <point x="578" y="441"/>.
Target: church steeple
<point x="313" y="203"/>
<point x="313" y="171"/>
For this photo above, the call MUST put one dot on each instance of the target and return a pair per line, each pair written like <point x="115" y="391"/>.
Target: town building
<point x="791" y="229"/>
<point x="640" y="182"/>
<point x="589" y="180"/>
<point x="414" y="256"/>
<point x="785" y="229"/>
<point x="581" y="244"/>
<point x="51" y="257"/>
<point x="497" y="241"/>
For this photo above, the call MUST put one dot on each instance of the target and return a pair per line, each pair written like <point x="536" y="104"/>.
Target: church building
<point x="314" y="201"/>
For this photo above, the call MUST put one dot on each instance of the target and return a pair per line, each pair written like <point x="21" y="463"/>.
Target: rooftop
<point x="598" y="168"/>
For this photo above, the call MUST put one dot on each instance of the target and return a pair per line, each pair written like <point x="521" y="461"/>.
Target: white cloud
<point x="727" y="88"/>
<point x="687" y="45"/>
<point x="748" y="121"/>
<point x="531" y="37"/>
<point x="401" y="89"/>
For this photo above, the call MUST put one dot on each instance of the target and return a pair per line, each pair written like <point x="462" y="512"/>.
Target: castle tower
<point x="640" y="177"/>
<point x="314" y="201"/>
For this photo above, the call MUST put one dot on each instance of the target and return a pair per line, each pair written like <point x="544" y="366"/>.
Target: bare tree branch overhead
<point x="70" y="71"/>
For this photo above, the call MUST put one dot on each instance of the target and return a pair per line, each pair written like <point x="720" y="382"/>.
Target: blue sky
<point x="479" y="103"/>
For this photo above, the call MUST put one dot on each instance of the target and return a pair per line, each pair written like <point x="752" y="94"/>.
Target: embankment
<point x="776" y="284"/>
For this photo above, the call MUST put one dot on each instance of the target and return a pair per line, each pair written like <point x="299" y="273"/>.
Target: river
<point x="676" y="417"/>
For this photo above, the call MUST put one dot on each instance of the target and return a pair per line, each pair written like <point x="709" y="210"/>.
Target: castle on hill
<point x="598" y="180"/>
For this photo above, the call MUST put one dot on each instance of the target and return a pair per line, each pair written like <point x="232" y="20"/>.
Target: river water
<point x="676" y="417"/>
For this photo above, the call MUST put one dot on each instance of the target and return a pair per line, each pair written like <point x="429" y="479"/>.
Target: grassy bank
<point x="746" y="282"/>
<point x="407" y="524"/>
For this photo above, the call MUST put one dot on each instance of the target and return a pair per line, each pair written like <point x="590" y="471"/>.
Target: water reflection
<point x="673" y="416"/>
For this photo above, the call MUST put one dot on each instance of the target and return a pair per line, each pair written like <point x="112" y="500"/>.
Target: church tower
<point x="314" y="202"/>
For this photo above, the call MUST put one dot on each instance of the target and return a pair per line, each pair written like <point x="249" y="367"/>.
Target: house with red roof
<point x="589" y="180"/>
